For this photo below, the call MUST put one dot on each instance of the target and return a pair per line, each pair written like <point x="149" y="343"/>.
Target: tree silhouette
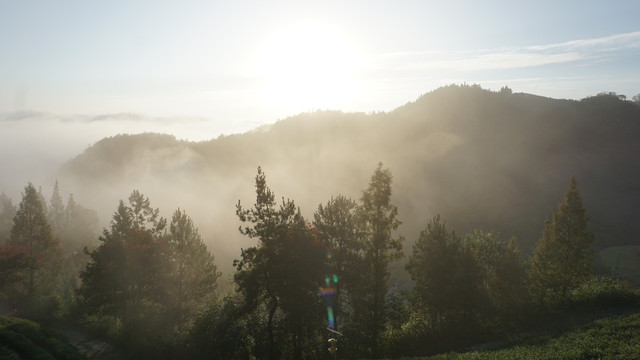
<point x="562" y="257"/>
<point x="194" y="273"/>
<point x="377" y="219"/>
<point x="284" y="270"/>
<point x="337" y="227"/>
<point x="32" y="231"/>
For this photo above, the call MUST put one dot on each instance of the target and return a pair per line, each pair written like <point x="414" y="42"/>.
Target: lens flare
<point x="330" y="316"/>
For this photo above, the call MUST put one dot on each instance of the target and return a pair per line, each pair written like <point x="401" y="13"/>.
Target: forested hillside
<point x="484" y="160"/>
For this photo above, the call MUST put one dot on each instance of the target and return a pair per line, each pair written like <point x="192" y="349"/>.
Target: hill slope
<point x="496" y="161"/>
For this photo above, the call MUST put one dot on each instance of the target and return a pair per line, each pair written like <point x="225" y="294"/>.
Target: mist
<point x="33" y="145"/>
<point x="498" y="163"/>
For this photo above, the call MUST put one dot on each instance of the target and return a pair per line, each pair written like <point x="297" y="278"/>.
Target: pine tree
<point x="377" y="219"/>
<point x="283" y="272"/>
<point x="7" y="212"/>
<point x="194" y="273"/>
<point x="80" y="226"/>
<point x="31" y="230"/>
<point x="432" y="265"/>
<point x="563" y="255"/>
<point x="127" y="274"/>
<point x="56" y="213"/>
<point x="336" y="225"/>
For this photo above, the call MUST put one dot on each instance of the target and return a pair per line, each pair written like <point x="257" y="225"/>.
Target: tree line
<point x="151" y="284"/>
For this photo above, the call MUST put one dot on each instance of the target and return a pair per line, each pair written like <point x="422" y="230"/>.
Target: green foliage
<point x="126" y="279"/>
<point x="220" y="332"/>
<point x="337" y="227"/>
<point x="611" y="338"/>
<point x="284" y="271"/>
<point x="130" y="266"/>
<point x="603" y="292"/>
<point x="15" y="262"/>
<point x="563" y="256"/>
<point x="502" y="278"/>
<point x="377" y="220"/>
<point x="194" y="273"/>
<point x="23" y="339"/>
<point x="56" y="211"/>
<point x="32" y="231"/>
<point x="7" y="213"/>
<point x="435" y="268"/>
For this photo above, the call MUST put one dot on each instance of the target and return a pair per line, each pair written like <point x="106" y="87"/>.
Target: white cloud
<point x="595" y="49"/>
<point x="606" y="43"/>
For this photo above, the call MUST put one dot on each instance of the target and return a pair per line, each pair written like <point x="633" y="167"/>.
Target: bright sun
<point x="308" y="66"/>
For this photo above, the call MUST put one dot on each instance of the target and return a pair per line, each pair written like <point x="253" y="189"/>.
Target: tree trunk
<point x="272" y="311"/>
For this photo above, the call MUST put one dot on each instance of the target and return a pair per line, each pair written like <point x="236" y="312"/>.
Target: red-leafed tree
<point x="15" y="266"/>
<point x="32" y="231"/>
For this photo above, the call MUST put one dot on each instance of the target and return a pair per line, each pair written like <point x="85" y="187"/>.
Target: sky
<point x="73" y="72"/>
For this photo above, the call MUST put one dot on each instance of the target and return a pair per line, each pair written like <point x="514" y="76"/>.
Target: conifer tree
<point x="7" y="212"/>
<point x="283" y="272"/>
<point x="31" y="230"/>
<point x="562" y="257"/>
<point x="128" y="271"/>
<point x="377" y="219"/>
<point x="56" y="212"/>
<point x="194" y="273"/>
<point x="80" y="225"/>
<point x="336" y="225"/>
<point x="432" y="265"/>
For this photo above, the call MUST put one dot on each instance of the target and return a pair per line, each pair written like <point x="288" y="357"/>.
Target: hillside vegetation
<point x="482" y="159"/>
<point x="415" y="261"/>
<point x="24" y="339"/>
<point x="616" y="337"/>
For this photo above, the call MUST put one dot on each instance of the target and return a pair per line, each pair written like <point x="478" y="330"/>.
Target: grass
<point x="611" y="338"/>
<point x="24" y="339"/>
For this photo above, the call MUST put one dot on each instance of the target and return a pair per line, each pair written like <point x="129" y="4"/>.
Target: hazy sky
<point x="201" y="68"/>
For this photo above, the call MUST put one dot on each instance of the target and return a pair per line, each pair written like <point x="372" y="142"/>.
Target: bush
<point x="41" y="308"/>
<point x="604" y="292"/>
<point x="218" y="332"/>
<point x="23" y="339"/>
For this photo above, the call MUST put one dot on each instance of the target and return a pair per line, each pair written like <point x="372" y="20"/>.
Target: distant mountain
<point x="492" y="160"/>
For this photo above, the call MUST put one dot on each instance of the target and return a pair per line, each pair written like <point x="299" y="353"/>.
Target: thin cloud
<point x="606" y="43"/>
<point x="596" y="49"/>
<point x="507" y="60"/>
<point x="20" y="115"/>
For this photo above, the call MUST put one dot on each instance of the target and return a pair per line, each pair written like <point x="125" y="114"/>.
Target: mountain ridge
<point x="493" y="160"/>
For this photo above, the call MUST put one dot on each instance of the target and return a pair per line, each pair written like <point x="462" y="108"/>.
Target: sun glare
<point x="308" y="66"/>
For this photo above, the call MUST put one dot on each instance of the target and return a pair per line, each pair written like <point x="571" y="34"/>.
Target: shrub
<point x="603" y="292"/>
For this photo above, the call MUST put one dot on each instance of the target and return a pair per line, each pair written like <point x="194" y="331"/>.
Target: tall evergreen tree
<point x="31" y="229"/>
<point x="562" y="257"/>
<point x="377" y="219"/>
<point x="284" y="270"/>
<point x="432" y="265"/>
<point x="56" y="212"/>
<point x="194" y="273"/>
<point x="128" y="271"/>
<point x="80" y="226"/>
<point x="7" y="212"/>
<point x="336" y="225"/>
